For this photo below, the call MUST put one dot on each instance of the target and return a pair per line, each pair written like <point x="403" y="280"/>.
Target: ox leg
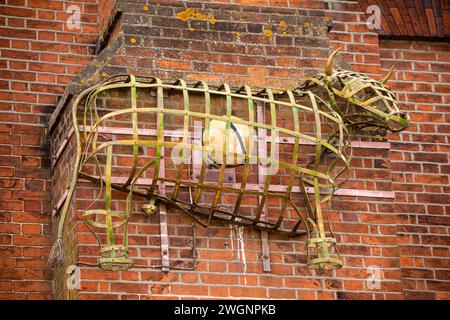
<point x="113" y="256"/>
<point x="320" y="245"/>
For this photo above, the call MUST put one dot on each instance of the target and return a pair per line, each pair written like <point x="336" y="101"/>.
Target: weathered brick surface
<point x="262" y="43"/>
<point x="155" y="42"/>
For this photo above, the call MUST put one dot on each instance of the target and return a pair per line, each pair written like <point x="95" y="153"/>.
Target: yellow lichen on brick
<point x="267" y="32"/>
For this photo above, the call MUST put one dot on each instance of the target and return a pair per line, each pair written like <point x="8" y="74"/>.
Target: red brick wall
<point x="38" y="57"/>
<point x="420" y="165"/>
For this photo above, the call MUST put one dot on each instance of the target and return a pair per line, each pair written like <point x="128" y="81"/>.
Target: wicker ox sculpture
<point x="237" y="126"/>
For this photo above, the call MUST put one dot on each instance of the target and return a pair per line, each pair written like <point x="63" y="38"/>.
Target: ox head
<point x="370" y="103"/>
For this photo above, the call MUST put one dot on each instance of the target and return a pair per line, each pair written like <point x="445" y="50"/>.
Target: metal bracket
<point x="262" y="173"/>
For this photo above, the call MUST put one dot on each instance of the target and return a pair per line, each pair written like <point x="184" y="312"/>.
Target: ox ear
<point x="329" y="66"/>
<point x="387" y="76"/>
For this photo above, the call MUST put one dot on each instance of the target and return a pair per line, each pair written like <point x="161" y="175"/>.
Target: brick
<point x="54" y="5"/>
<point x="11" y="205"/>
<point x="19" y="12"/>
<point x="218" y="278"/>
<point x="96" y="296"/>
<point x="32" y="252"/>
<point x="177" y="65"/>
<point x="18" y="33"/>
<point x="6" y="172"/>
<point x="433" y="179"/>
<point x="281" y="294"/>
<point x="31" y="229"/>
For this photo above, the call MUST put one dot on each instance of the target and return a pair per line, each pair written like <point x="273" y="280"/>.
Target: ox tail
<point x="57" y="253"/>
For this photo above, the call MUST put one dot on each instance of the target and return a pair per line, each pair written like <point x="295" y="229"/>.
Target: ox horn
<point x="329" y="67"/>
<point x="386" y="77"/>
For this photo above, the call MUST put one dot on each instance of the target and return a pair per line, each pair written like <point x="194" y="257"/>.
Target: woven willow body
<point x="314" y="180"/>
